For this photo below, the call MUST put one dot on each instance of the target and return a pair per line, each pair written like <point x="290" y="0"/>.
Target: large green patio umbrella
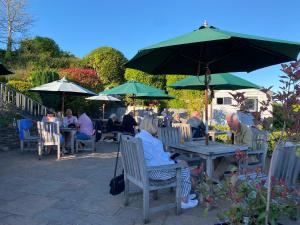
<point x="133" y="88"/>
<point x="4" y="71"/>
<point x="211" y="50"/>
<point x="221" y="81"/>
<point x="154" y="96"/>
<point x="63" y="87"/>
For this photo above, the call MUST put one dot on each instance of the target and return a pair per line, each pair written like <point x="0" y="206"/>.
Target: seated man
<point x="129" y="123"/>
<point x="197" y="125"/>
<point x="113" y="124"/>
<point x="243" y="135"/>
<point x="85" y="127"/>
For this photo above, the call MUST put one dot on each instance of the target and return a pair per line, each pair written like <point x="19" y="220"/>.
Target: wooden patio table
<point x="208" y="152"/>
<point x="72" y="132"/>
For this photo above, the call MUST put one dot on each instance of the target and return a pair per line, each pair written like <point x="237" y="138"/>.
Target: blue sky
<point x="79" y="26"/>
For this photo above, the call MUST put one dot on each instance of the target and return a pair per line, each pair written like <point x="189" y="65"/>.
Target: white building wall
<point x="220" y="110"/>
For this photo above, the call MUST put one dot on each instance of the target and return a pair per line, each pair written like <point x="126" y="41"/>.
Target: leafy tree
<point x="37" y="78"/>
<point x="109" y="64"/>
<point x="85" y="77"/>
<point x="14" y="22"/>
<point x="187" y="99"/>
<point x="40" y="46"/>
<point x="39" y="53"/>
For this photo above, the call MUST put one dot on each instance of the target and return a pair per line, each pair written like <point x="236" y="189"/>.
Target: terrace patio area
<point x="74" y="191"/>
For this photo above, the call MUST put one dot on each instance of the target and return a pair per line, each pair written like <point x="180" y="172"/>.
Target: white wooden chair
<point x="286" y="165"/>
<point x="169" y="135"/>
<point x="186" y="132"/>
<point x="49" y="135"/>
<point x="136" y="172"/>
<point x="89" y="145"/>
<point x="259" y="152"/>
<point x="25" y="144"/>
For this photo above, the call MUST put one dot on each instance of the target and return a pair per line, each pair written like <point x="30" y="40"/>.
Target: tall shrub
<point x="85" y="77"/>
<point x="109" y="64"/>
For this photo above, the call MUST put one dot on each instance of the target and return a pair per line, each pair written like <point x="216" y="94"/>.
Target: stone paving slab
<point x="75" y="191"/>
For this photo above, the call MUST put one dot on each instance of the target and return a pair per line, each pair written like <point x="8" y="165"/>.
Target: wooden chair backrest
<point x="260" y="143"/>
<point x="133" y="160"/>
<point x="185" y="130"/>
<point x="286" y="165"/>
<point x="169" y="135"/>
<point x="49" y="133"/>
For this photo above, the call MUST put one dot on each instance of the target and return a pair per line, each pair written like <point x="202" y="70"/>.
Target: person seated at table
<point x="69" y="119"/>
<point x="128" y="123"/>
<point x="113" y="124"/>
<point x="85" y="126"/>
<point x="156" y="156"/>
<point x="176" y="118"/>
<point x="51" y="117"/>
<point x="197" y="125"/>
<point x="243" y="135"/>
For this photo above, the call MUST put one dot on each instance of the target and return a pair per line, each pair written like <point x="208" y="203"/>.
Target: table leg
<point x="209" y="167"/>
<point x="72" y="142"/>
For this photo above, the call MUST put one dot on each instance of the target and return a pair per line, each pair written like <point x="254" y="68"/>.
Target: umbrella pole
<point x="133" y="99"/>
<point x="103" y="108"/>
<point x="63" y="103"/>
<point x="206" y="110"/>
<point x="206" y="98"/>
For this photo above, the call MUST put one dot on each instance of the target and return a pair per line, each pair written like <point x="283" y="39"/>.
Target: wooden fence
<point x="21" y="101"/>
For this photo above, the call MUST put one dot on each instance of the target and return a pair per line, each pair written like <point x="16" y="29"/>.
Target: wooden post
<point x="103" y="108"/>
<point x="133" y="100"/>
<point x="63" y="103"/>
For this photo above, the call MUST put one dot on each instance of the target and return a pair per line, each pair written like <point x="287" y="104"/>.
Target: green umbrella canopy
<point x="220" y="50"/>
<point x="222" y="81"/>
<point x="131" y="87"/>
<point x="154" y="95"/>
<point x="4" y="71"/>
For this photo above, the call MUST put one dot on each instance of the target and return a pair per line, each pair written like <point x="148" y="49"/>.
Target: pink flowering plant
<point x="247" y="198"/>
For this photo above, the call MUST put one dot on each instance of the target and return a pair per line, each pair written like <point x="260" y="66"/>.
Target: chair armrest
<point x="254" y="152"/>
<point x="165" y="167"/>
<point x="198" y="139"/>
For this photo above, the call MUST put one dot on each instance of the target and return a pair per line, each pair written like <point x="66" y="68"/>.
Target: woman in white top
<point x="156" y="156"/>
<point x="69" y="118"/>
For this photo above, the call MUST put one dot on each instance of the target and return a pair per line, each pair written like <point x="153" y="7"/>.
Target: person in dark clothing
<point x="98" y="129"/>
<point x="113" y="124"/>
<point x="128" y="123"/>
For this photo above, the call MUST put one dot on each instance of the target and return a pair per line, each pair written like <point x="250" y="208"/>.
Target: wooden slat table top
<point x="213" y="148"/>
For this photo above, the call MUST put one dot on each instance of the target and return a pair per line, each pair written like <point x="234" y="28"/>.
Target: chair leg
<point x="146" y="205"/>
<point x="155" y="195"/>
<point x="76" y="146"/>
<point x="126" y="193"/>
<point x="58" y="151"/>
<point x="22" y="145"/>
<point x="40" y="148"/>
<point x="178" y="192"/>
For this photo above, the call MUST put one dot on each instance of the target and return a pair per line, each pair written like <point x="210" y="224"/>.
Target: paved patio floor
<point x="74" y="191"/>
